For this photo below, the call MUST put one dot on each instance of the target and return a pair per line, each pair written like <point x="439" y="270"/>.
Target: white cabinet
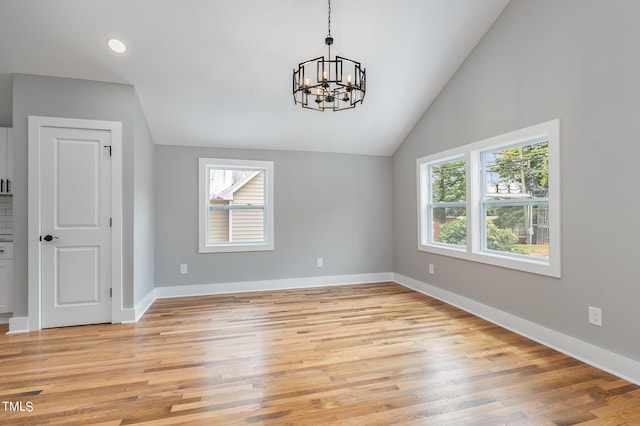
<point x="6" y="286"/>
<point x="6" y="277"/>
<point x="6" y="161"/>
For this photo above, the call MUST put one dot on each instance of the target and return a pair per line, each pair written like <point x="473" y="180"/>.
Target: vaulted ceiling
<point x="218" y="73"/>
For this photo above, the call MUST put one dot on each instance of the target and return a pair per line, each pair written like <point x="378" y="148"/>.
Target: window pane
<point x="231" y="192"/>
<point x="218" y="224"/>
<point x="449" y="225"/>
<point x="247" y="225"/>
<point x="519" y="172"/>
<point x="518" y="229"/>
<point x="448" y="182"/>
<point x="236" y="185"/>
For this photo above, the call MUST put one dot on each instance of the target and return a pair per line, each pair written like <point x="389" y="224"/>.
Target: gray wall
<point x="61" y="97"/>
<point x="6" y="100"/>
<point x="143" y="207"/>
<point x="577" y="60"/>
<point x="333" y="206"/>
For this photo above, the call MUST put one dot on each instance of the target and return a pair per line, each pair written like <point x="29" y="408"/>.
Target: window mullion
<point x="516" y="202"/>
<point x="475" y="194"/>
<point x="237" y="207"/>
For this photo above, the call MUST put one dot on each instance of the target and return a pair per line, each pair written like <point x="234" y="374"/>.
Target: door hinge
<point x="111" y="292"/>
<point x="108" y="146"/>
<point x="110" y="222"/>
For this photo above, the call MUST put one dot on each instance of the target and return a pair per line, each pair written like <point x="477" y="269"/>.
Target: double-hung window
<point x="496" y="201"/>
<point x="235" y="205"/>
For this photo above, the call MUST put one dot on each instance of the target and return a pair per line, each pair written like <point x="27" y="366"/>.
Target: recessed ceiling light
<point x="117" y="45"/>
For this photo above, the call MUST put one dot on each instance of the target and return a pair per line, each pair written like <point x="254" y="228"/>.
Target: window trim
<point x="230" y="247"/>
<point x="549" y="130"/>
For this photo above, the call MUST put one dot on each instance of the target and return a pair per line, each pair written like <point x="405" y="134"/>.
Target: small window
<point x="495" y="201"/>
<point x="236" y="205"/>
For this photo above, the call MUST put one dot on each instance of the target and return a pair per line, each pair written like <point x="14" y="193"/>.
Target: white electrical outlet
<point x="431" y="268"/>
<point x="320" y="262"/>
<point x="183" y="268"/>
<point x="595" y="316"/>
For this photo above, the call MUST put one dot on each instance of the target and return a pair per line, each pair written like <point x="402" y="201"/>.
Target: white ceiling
<point x="218" y="73"/>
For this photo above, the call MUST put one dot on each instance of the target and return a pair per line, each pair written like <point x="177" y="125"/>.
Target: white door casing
<point x="75" y="193"/>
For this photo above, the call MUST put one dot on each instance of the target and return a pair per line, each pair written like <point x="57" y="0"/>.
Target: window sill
<point x="524" y="264"/>
<point x="235" y="248"/>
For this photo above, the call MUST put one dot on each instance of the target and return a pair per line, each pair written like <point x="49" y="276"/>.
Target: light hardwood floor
<point x="352" y="355"/>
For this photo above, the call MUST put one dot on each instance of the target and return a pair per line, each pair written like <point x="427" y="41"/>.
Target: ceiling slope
<point x="218" y="73"/>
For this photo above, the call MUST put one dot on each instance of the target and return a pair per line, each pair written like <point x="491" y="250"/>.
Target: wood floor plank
<point x="373" y="354"/>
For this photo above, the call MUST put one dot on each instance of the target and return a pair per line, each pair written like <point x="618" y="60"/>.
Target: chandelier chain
<point x="329" y="19"/>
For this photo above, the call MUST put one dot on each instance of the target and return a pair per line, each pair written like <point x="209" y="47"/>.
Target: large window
<point x="236" y="205"/>
<point x="495" y="201"/>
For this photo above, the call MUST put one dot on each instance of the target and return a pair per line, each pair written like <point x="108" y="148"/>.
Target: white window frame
<point x="203" y="205"/>
<point x="474" y="250"/>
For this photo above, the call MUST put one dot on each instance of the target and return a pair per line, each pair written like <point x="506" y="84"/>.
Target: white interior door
<point x="75" y="212"/>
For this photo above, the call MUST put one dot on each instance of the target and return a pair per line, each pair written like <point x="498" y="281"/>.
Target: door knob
<point x="48" y="238"/>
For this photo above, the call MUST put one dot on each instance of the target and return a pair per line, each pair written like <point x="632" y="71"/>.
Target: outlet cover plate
<point x="595" y="316"/>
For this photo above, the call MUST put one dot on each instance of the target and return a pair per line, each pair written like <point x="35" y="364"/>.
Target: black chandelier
<point x="338" y="84"/>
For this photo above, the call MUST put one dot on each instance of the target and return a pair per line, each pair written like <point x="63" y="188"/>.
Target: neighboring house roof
<point x="227" y="194"/>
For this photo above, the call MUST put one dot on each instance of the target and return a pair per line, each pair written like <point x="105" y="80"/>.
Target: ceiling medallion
<point x="334" y="84"/>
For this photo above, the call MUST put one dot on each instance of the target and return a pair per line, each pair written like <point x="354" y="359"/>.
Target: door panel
<point x="77" y="278"/>
<point x="77" y="183"/>
<point x="76" y="208"/>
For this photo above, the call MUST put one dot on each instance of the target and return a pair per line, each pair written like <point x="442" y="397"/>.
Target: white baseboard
<point x="127" y="315"/>
<point x="18" y="325"/>
<point x="269" y="285"/>
<point x="603" y="359"/>
<point x="133" y="315"/>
